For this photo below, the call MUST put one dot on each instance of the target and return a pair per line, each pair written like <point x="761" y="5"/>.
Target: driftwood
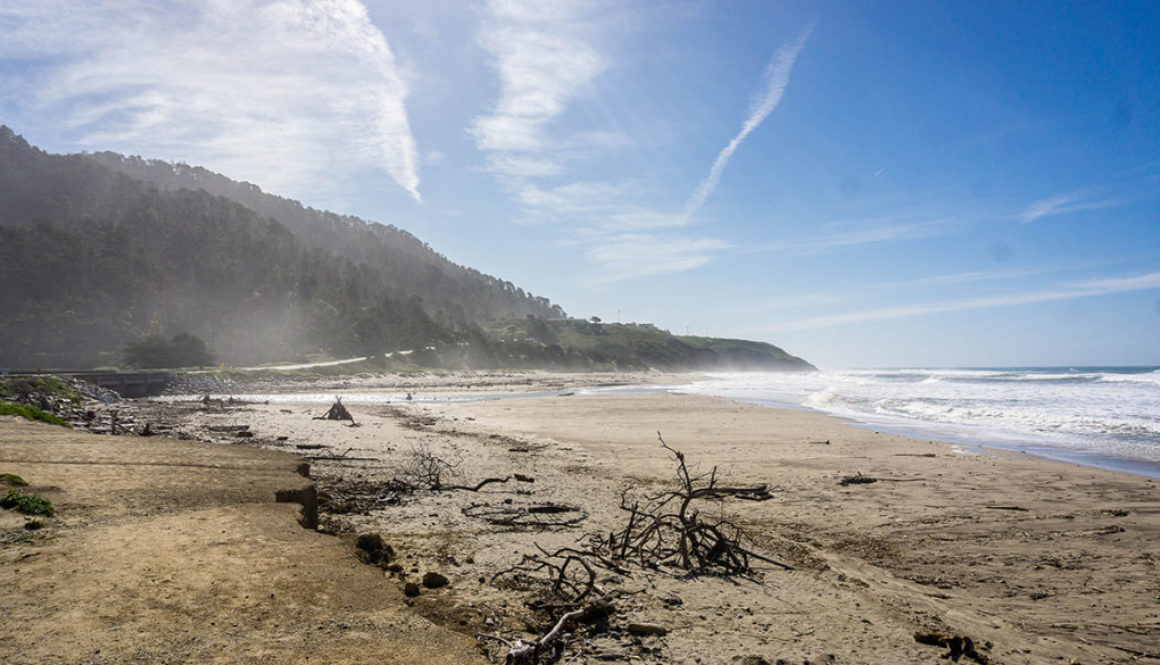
<point x="228" y="428"/>
<point x="857" y="479"/>
<point x="536" y="516"/>
<point x="425" y="470"/>
<point x="666" y="529"/>
<point x="337" y="412"/>
<point x="483" y="483"/>
<point x="523" y="652"/>
<point x="344" y="456"/>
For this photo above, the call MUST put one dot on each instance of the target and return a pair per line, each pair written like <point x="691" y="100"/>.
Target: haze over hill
<point x="101" y="250"/>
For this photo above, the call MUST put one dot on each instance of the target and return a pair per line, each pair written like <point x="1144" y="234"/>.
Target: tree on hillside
<point x="184" y="350"/>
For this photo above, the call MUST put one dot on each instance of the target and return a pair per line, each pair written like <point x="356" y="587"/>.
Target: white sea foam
<point x="1102" y="412"/>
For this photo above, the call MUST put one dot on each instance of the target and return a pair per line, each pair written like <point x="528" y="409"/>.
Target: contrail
<point x="777" y="78"/>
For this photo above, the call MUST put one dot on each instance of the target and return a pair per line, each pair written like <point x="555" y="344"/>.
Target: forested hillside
<point x="92" y="259"/>
<point x="449" y="291"/>
<point x="105" y="258"/>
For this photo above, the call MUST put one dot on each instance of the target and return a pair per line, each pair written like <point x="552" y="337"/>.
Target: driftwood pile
<point x="338" y="412"/>
<point x="664" y="530"/>
<point x="426" y="471"/>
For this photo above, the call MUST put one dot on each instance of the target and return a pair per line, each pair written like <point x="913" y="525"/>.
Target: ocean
<point x="1099" y="416"/>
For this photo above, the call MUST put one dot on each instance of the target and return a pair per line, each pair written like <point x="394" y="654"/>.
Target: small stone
<point x="433" y="580"/>
<point x="411" y="589"/>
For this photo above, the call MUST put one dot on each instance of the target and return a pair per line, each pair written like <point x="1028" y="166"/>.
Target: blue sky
<point x="864" y="184"/>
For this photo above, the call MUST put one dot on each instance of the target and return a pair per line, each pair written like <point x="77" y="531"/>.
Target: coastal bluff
<point x="175" y="551"/>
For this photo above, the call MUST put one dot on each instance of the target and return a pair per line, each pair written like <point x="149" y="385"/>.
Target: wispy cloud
<point x="1062" y="204"/>
<point x="637" y="255"/>
<point x="549" y="57"/>
<point x="1070" y="291"/>
<point x="544" y="61"/>
<point x="845" y="234"/>
<point x="860" y="291"/>
<point x="776" y="80"/>
<point x="291" y="93"/>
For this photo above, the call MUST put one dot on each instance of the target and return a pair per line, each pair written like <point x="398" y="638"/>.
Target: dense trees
<point x="451" y="293"/>
<point x="91" y="259"/>
<point x="183" y="350"/>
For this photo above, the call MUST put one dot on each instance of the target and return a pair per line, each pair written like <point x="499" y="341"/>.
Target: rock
<point x="433" y="580"/>
<point x="751" y="659"/>
<point x="411" y="589"/>
<point x="373" y="550"/>
<point x="641" y="628"/>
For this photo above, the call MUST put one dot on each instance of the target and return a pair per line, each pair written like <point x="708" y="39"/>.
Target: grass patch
<point x="26" y="504"/>
<point x="20" y="388"/>
<point x="30" y="413"/>
<point x="13" y="480"/>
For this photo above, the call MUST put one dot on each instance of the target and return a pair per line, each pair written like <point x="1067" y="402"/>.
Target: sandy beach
<point x="1036" y="561"/>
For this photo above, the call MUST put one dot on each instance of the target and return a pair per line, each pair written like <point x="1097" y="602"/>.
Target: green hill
<point x="104" y="257"/>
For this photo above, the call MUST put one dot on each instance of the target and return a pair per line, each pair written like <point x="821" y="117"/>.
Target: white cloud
<point x="1062" y="204"/>
<point x="1070" y="291"/>
<point x="638" y="255"/>
<point x="544" y="62"/>
<point x="287" y="93"/>
<point x="776" y="80"/>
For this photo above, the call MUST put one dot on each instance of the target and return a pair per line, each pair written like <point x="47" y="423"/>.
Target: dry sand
<point x="1037" y="561"/>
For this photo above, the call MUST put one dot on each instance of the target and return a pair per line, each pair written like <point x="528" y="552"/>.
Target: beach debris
<point x="957" y="646"/>
<point x="667" y="529"/>
<point x="857" y="479"/>
<point x="543" y="516"/>
<point x="641" y="628"/>
<point x="821" y="443"/>
<point x="372" y="549"/>
<point x="344" y="456"/>
<point x="425" y="470"/>
<point x="226" y="429"/>
<point x="522" y="652"/>
<point x="337" y="412"/>
<point x="1015" y="508"/>
<point x="564" y="577"/>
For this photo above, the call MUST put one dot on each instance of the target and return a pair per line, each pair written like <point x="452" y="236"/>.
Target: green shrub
<point x="26" y="388"/>
<point x="31" y="413"/>
<point x="26" y="504"/>
<point x="13" y="480"/>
